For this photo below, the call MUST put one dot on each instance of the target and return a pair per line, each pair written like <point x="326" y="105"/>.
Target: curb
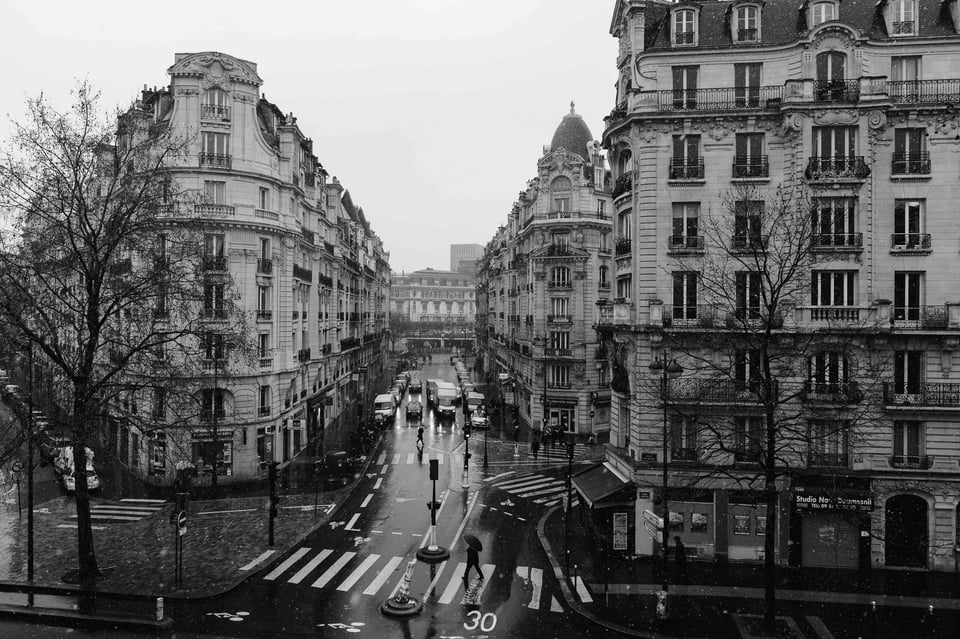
<point x="60" y="617"/>
<point x="570" y="598"/>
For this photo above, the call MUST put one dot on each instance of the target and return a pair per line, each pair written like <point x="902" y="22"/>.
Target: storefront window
<point x="741" y="524"/>
<point x="698" y="523"/>
<point x="204" y="455"/>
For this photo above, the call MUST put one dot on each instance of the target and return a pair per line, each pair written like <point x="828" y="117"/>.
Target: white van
<point x="384" y="408"/>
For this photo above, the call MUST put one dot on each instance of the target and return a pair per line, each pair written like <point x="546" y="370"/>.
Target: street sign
<point x="651" y="530"/>
<point x="656" y="522"/>
<point x="566" y="502"/>
<point x="182" y="523"/>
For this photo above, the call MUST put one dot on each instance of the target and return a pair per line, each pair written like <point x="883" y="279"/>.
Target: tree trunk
<point x="86" y="553"/>
<point x="770" y="535"/>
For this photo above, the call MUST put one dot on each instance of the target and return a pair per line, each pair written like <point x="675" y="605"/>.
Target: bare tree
<point x="101" y="273"/>
<point x="791" y="389"/>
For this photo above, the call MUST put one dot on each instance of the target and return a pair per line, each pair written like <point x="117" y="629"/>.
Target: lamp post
<point x="571" y="445"/>
<point x="671" y="370"/>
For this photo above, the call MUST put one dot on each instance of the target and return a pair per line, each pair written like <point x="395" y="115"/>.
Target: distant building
<point x="462" y="254"/>
<point x="439" y="308"/>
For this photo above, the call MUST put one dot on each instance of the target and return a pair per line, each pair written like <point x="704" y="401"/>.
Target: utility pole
<point x="30" y="463"/>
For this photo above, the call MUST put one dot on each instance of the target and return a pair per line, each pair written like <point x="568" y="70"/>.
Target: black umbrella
<point x="473" y="542"/>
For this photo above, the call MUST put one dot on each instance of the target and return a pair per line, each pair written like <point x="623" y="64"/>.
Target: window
<point x="828" y="442"/>
<point x="159" y="409"/>
<point x="560" y="195"/>
<point x="264" y="400"/>
<point x="211" y="404"/>
<point x="749" y="161"/>
<point x="263" y="345"/>
<point x="215" y="149"/>
<point x="834" y="222"/>
<point x="748" y="295"/>
<point x="624" y="286"/>
<point x="559" y="339"/>
<point x="560" y="306"/>
<point x="264" y="198"/>
<point x="685" y="87"/>
<point x="908" y="444"/>
<point x="747" y="225"/>
<point x="746" y="368"/>
<point x="683" y="438"/>
<point x="686" y="230"/>
<point x="747" y="438"/>
<point x="902" y="12"/>
<point x="263" y="298"/>
<point x="603" y="277"/>
<point x="157" y="453"/>
<point x="560" y="277"/>
<point x="559" y="377"/>
<point x="686" y="162"/>
<point x="907" y="295"/>
<point x="213" y="346"/>
<point x="561" y="241"/>
<point x="213" y="245"/>
<point x="623" y="225"/>
<point x="215" y="105"/>
<point x="684" y="29"/>
<point x="213" y="301"/>
<point x="265" y="248"/>
<point x="821" y="12"/>
<point x="909" y="151"/>
<point x="746" y="82"/>
<point x="908" y="225"/>
<point x="835" y="153"/>
<point x="831" y="84"/>
<point x="684" y="296"/>
<point x="833" y="288"/>
<point x="748" y="24"/>
<point x="601" y="209"/>
<point x="827" y="373"/>
<point x="907" y="375"/>
<point x="214" y="192"/>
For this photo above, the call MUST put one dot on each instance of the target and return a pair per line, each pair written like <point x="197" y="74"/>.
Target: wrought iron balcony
<point x="303" y="355"/>
<point x="830" y="241"/>
<point x="713" y="390"/>
<point x="558" y="385"/>
<point x="560" y="284"/>
<point x="624" y="246"/>
<point x="836" y="90"/>
<point x="684" y="454"/>
<point x="558" y="352"/>
<point x="264" y="265"/>
<point x="749" y="242"/>
<point x="751" y="167"/>
<point x="214" y="263"/>
<point x="216" y="160"/>
<point x="622" y="185"/>
<point x="214" y="314"/>
<point x="680" y="243"/>
<point x="217" y="112"/>
<point x="832" y="460"/>
<point x="916" y="316"/>
<point x="905" y="27"/>
<point x="559" y="318"/>
<point x="922" y="394"/>
<point x="910" y="241"/>
<point x="911" y="164"/>
<point x="910" y="91"/>
<point x="324" y="280"/>
<point x="700" y="315"/>
<point x="265" y="362"/>
<point x="264" y="411"/>
<point x="302" y="273"/>
<point x="831" y="392"/>
<point x="686" y="168"/>
<point x="720" y="99"/>
<point x="920" y="462"/>
<point x="835" y="168"/>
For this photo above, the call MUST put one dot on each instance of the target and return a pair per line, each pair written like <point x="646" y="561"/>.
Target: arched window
<point x="831" y="83"/>
<point x="684" y="27"/>
<point x="560" y="276"/>
<point x="748" y="24"/>
<point x="560" y="195"/>
<point x="215" y="105"/>
<point x="821" y="12"/>
<point x="903" y="12"/>
<point x="603" y="280"/>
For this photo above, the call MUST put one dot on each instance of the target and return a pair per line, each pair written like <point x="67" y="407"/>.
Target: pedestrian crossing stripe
<point x="124" y="510"/>
<point x="399" y="459"/>
<point x="548" y="491"/>
<point x="343" y="573"/>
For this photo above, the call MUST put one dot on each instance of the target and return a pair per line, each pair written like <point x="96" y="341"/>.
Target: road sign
<point x="651" y="530"/>
<point x="656" y="522"/>
<point x="182" y="523"/>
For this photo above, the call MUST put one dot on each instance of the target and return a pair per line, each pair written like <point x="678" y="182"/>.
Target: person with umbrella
<point x="473" y="556"/>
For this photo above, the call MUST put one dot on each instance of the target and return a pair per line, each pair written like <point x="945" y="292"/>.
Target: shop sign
<point x="207" y="433"/>
<point x="619" y="531"/>
<point x="821" y="501"/>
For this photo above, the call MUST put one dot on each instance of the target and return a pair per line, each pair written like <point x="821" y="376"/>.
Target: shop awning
<point x="600" y="483"/>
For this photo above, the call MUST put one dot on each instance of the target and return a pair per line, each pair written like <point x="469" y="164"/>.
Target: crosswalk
<point x="375" y="575"/>
<point x="416" y="458"/>
<point x="545" y="454"/>
<point x="542" y="489"/>
<point x="125" y="510"/>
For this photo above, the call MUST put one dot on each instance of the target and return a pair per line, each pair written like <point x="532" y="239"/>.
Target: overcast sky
<point x="433" y="113"/>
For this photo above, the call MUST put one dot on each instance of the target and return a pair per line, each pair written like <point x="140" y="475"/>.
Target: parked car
<point x="69" y="482"/>
<point x="339" y="468"/>
<point x="400" y="381"/>
<point x="414" y="409"/>
<point x="479" y="418"/>
<point x="10" y="391"/>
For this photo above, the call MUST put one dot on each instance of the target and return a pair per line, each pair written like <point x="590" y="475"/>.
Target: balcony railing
<point x="834" y="313"/>
<point x="558" y="352"/>
<point x="214" y="210"/>
<point x="721" y="391"/>
<point x="214" y="314"/>
<point x="214" y="263"/>
<point x="686" y="243"/>
<point x="833" y="460"/>
<point x="909" y="91"/>
<point x="837" y="240"/>
<point x="831" y="392"/>
<point x="216" y="160"/>
<point x="749" y="242"/>
<point x="684" y="454"/>
<point x="218" y="112"/>
<point x="622" y="185"/>
<point x="910" y="241"/>
<point x="302" y="273"/>
<point x="324" y="280"/>
<point x="720" y="99"/>
<point x="559" y="318"/>
<point x="263" y="314"/>
<point x="700" y="315"/>
<point x="348" y="343"/>
<point x="558" y="385"/>
<point x="623" y="246"/>
<point x="307" y="234"/>
<point x="911" y="164"/>
<point x="303" y="355"/>
<point x="832" y="168"/>
<point x="560" y="284"/>
<point x="921" y="462"/>
<point x="266" y="362"/>
<point x="905" y="27"/>
<point x="922" y="394"/>
<point x="263" y="411"/>
<point x="751" y="167"/>
<point x="686" y="168"/>
<point x="264" y="265"/>
<point x="930" y="317"/>
<point x="836" y="90"/>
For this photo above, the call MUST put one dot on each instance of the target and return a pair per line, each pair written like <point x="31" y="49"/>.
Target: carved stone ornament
<point x="216" y="69"/>
<point x="720" y="128"/>
<point x="559" y="160"/>
<point x="648" y="134"/>
<point x="876" y="120"/>
<point x="939" y="123"/>
<point x="187" y="91"/>
<point x="834" y="37"/>
<point x="578" y="370"/>
<point x="792" y="124"/>
<point x="835" y="116"/>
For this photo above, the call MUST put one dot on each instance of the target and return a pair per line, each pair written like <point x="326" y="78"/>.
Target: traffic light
<point x="434" y="469"/>
<point x="274" y="506"/>
<point x="466" y="431"/>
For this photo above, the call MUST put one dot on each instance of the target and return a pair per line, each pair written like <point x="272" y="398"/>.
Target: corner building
<point x="854" y="102"/>
<point x="538" y="284"/>
<point x="301" y="258"/>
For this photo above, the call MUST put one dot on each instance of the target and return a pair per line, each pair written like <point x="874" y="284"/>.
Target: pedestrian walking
<point x="680" y="559"/>
<point x="516" y="430"/>
<point x="420" y="438"/>
<point x="473" y="557"/>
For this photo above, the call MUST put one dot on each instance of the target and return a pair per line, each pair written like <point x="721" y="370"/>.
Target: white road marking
<point x="354" y="577"/>
<point x="220" y="512"/>
<point x="311" y="565"/>
<point x="516" y="490"/>
<point x="521" y="518"/>
<point x="411" y="458"/>
<point x="396" y="458"/>
<point x="334" y="569"/>
<point x="381" y="459"/>
<point x="145" y="501"/>
<point x="383" y="471"/>
<point x="352" y="521"/>
<point x="509" y="472"/>
<point x="523" y="479"/>
<point x="75" y="525"/>
<point x="555" y="605"/>
<point x="545" y="491"/>
<point x="258" y="560"/>
<point x="453" y="586"/>
<point x="289" y="561"/>
<point x="436" y="578"/>
<point x="379" y="481"/>
<point x="536" y="580"/>
<point x="582" y="591"/>
<point x="382" y="576"/>
<point x="366" y="500"/>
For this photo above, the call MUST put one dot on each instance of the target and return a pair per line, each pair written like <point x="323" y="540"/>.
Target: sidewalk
<point x="620" y="593"/>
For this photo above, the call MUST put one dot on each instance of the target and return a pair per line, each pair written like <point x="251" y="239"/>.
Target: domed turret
<point x="572" y="135"/>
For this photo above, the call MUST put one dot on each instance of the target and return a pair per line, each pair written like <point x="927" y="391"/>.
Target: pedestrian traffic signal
<point x="274" y="506"/>
<point x="466" y="431"/>
<point x="434" y="469"/>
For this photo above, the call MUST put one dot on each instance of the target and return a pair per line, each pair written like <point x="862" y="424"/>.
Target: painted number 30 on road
<point x="485" y="622"/>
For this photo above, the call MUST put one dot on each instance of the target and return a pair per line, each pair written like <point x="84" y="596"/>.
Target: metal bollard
<point x="159" y="608"/>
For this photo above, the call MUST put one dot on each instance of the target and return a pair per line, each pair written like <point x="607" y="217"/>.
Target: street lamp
<point x="671" y="370"/>
<point x="571" y="445"/>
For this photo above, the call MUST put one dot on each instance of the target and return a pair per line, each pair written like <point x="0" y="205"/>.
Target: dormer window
<point x="684" y="27"/>
<point x="903" y="18"/>
<point x="747" y="27"/>
<point x="821" y="12"/>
